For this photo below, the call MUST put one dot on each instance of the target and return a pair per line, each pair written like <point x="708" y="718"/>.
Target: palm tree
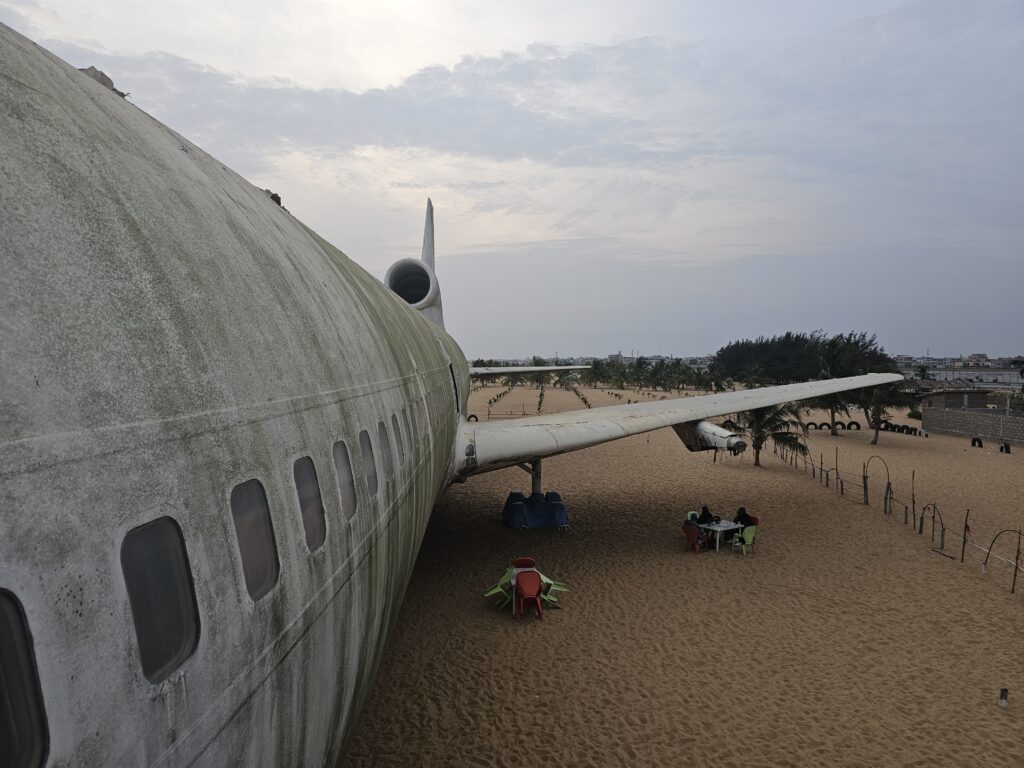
<point x="782" y="424"/>
<point x="881" y="400"/>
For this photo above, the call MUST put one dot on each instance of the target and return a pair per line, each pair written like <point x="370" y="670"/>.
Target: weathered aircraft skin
<point x="169" y="332"/>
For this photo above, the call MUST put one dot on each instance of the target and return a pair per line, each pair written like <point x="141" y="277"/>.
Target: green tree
<point x="850" y="354"/>
<point x="881" y="400"/>
<point x="540" y="378"/>
<point x="639" y="371"/>
<point x="783" y="424"/>
<point x="922" y="372"/>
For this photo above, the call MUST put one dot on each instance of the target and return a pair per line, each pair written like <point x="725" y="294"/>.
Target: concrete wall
<point x="990" y="425"/>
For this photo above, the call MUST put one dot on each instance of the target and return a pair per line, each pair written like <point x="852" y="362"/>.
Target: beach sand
<point x="844" y="640"/>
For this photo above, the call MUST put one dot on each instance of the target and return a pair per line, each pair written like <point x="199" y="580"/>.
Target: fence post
<point x="827" y="478"/>
<point x="963" y="546"/>
<point x="913" y="491"/>
<point x="888" y="498"/>
<point x="1016" y="564"/>
<point x="906" y="514"/>
<point x="933" y="526"/>
<point x="842" y="486"/>
<point x="864" y="473"/>
<point x="920" y="524"/>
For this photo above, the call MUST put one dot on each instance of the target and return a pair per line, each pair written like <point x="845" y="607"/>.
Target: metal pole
<point x="963" y="546"/>
<point x="906" y="514"/>
<point x="913" y="491"/>
<point x="920" y="524"/>
<point x="865" y="476"/>
<point x="537" y="484"/>
<point x="1016" y="564"/>
<point x="888" y="497"/>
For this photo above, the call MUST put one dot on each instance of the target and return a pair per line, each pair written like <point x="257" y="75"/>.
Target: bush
<point x="913" y="413"/>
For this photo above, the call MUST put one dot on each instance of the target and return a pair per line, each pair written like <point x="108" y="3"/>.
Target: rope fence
<point x="858" y="489"/>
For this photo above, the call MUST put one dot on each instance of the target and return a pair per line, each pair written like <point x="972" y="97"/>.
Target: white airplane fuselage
<point x="169" y="334"/>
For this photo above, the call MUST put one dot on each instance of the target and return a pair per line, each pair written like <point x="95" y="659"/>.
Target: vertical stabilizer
<point x="415" y="281"/>
<point x="428" y="237"/>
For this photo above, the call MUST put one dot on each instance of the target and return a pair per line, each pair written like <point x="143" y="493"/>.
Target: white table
<point x="719" y="527"/>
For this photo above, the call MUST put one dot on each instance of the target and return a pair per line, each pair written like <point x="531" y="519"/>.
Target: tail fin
<point x="415" y="281"/>
<point x="428" y="237"/>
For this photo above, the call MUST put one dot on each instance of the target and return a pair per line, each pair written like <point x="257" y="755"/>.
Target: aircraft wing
<point x="502" y="371"/>
<point x="496" y="444"/>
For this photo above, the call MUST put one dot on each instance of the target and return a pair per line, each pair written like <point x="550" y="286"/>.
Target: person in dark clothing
<point x="705" y="517"/>
<point x="743" y="518"/>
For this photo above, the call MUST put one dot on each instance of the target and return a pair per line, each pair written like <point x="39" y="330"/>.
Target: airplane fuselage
<point x="171" y="335"/>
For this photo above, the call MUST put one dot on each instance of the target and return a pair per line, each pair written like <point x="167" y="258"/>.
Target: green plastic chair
<point x="505" y="590"/>
<point x="745" y="540"/>
<point x="692" y="516"/>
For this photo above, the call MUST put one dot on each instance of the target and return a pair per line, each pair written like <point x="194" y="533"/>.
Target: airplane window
<point x="311" y="505"/>
<point x="410" y="432"/>
<point x="415" y="419"/>
<point x="23" y="731"/>
<point x="398" y="438"/>
<point x="161" y="595"/>
<point x="346" y="481"/>
<point x="385" y="449"/>
<point x="368" y="462"/>
<point x="255" y="533"/>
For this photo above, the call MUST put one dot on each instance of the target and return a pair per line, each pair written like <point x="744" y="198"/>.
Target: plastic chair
<point x="694" y="535"/>
<point x="524" y="562"/>
<point x="528" y="586"/>
<point x="691" y="515"/>
<point x="746" y="539"/>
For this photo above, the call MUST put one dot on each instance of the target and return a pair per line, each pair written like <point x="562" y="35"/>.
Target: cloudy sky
<point x="662" y="176"/>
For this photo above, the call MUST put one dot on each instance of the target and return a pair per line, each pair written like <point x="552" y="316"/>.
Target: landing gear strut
<point x="534" y="471"/>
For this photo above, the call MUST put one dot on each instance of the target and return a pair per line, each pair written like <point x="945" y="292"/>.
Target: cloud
<point x="890" y="142"/>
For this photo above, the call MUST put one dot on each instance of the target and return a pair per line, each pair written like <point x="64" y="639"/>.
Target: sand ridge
<point x="843" y="641"/>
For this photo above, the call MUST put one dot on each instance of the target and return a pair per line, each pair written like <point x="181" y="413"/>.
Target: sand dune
<point x="843" y="641"/>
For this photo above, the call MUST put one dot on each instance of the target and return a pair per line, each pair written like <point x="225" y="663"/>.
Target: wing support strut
<point x="534" y="471"/>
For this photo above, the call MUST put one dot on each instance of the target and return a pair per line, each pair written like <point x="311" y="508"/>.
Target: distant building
<point x="958" y="398"/>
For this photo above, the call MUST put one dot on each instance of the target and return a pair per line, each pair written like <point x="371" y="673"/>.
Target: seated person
<point x="705" y="517"/>
<point x="743" y="518"/>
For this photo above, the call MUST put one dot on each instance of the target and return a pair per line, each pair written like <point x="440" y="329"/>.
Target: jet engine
<point x="705" y="436"/>
<point x="414" y="280"/>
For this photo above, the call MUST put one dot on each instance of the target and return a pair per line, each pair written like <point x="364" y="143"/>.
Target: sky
<point x="662" y="176"/>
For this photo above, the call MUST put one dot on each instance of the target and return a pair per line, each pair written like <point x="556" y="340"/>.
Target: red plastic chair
<point x="695" y="536"/>
<point x="524" y="562"/>
<point x="528" y="586"/>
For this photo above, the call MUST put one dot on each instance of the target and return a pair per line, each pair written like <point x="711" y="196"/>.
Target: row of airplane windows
<point x="158" y="577"/>
<point x="155" y="563"/>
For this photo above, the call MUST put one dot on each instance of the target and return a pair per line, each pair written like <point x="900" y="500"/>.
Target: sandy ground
<point x="845" y="640"/>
